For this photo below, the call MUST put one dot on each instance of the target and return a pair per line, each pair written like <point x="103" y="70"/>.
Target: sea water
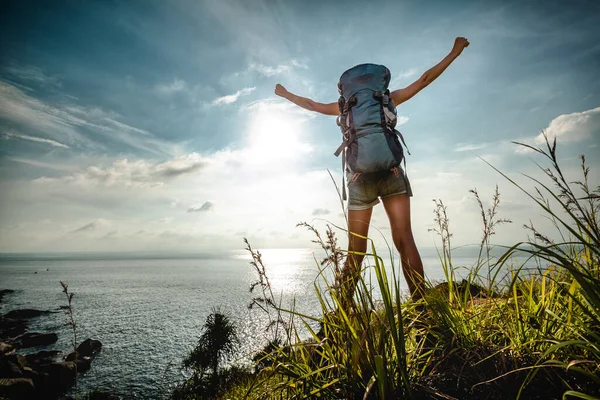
<point x="148" y="310"/>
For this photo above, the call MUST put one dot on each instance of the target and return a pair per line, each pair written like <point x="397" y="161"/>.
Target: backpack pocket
<point x="374" y="152"/>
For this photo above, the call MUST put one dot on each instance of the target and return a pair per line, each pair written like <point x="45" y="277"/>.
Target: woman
<point x="393" y="188"/>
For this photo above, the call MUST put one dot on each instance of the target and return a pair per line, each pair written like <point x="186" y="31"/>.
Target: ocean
<point x="148" y="310"/>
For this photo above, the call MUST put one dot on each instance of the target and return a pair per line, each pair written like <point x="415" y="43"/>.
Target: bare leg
<point x="397" y="208"/>
<point x="358" y="222"/>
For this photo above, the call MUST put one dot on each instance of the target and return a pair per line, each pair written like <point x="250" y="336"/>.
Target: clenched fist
<point x="459" y="44"/>
<point x="280" y="90"/>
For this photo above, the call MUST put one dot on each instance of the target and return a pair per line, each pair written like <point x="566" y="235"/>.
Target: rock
<point x="83" y="365"/>
<point x="9" y="369"/>
<point x="10" y="327"/>
<point x="17" y="388"/>
<point x="60" y="374"/>
<point x="25" y="313"/>
<point x="17" y="359"/>
<point x="6" y="348"/>
<point x="42" y="358"/>
<point x="88" y="348"/>
<point x="35" y="376"/>
<point x="35" y="339"/>
<point x="475" y="291"/>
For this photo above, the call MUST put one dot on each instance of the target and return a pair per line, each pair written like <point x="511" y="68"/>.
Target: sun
<point x="275" y="135"/>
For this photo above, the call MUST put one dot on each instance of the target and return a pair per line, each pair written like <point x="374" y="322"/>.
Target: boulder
<point x="9" y="369"/>
<point x="10" y="327"/>
<point x="17" y="359"/>
<point x="60" y="374"/>
<point x="83" y="365"/>
<point x="17" y="388"/>
<point x="25" y="313"/>
<point x="36" y="377"/>
<point x="6" y="348"/>
<point x="88" y="348"/>
<point x="462" y="287"/>
<point x="35" y="339"/>
<point x="41" y="357"/>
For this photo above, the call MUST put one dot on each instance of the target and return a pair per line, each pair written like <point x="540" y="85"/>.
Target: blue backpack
<point x="368" y="122"/>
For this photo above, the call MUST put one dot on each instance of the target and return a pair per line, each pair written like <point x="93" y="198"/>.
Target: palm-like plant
<point x="218" y="340"/>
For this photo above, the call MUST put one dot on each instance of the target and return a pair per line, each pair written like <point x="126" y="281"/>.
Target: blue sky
<point x="150" y="125"/>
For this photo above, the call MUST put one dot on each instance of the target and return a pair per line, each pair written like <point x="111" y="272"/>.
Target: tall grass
<point x="504" y="331"/>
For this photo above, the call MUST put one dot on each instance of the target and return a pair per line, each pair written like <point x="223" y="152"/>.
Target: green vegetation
<point x="218" y="341"/>
<point x="504" y="331"/>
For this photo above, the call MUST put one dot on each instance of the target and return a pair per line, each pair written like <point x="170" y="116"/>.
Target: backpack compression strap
<point x="390" y="117"/>
<point x="346" y="123"/>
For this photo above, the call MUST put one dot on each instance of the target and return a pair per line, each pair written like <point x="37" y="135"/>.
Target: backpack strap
<point x="402" y="140"/>
<point x="345" y="121"/>
<point x="390" y="118"/>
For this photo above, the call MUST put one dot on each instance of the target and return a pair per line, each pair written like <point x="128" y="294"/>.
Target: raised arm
<point x="401" y="95"/>
<point x="310" y="105"/>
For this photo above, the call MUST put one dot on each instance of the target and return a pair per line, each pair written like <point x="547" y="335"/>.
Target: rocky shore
<point x="42" y="375"/>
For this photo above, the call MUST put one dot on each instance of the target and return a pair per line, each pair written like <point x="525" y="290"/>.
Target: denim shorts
<point x="365" y="190"/>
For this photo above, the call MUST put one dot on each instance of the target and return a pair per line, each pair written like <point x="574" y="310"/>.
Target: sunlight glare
<point x="275" y="135"/>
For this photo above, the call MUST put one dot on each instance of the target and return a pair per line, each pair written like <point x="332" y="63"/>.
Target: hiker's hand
<point x="280" y="90"/>
<point x="459" y="44"/>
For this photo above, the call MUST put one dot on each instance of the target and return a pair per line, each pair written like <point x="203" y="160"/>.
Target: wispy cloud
<point x="399" y="78"/>
<point x="269" y="71"/>
<point x="181" y="165"/>
<point x="71" y="124"/>
<point x="30" y="73"/>
<point x="177" y="85"/>
<point x="320" y="211"/>
<point x="41" y="164"/>
<point x="89" y="227"/>
<point x="470" y="147"/>
<point x="401" y="120"/>
<point x="11" y="135"/>
<point x="232" y="98"/>
<point x="203" y="208"/>
<point x="133" y="173"/>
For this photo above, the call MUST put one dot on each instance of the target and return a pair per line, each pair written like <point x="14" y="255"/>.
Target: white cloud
<point x="469" y="147"/>
<point x="523" y="149"/>
<point x="396" y="80"/>
<point x="177" y="85"/>
<point x="401" y="120"/>
<point x="232" y="98"/>
<point x="51" y="142"/>
<point x="270" y="71"/>
<point x="20" y="108"/>
<point x="320" y="211"/>
<point x="181" y="165"/>
<point x="32" y="74"/>
<point x="70" y="124"/>
<point x="299" y="64"/>
<point x="204" y="207"/>
<point x="166" y="220"/>
<point x="576" y="126"/>
<point x="124" y="127"/>
<point x="132" y="174"/>
<point x="91" y="226"/>
<point x="572" y="127"/>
